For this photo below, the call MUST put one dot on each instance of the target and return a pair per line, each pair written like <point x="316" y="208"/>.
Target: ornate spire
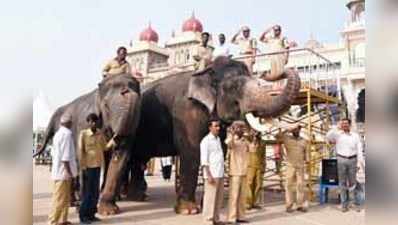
<point x="192" y="24"/>
<point x="149" y="34"/>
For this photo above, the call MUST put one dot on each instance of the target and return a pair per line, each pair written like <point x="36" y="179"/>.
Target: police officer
<point x="297" y="150"/>
<point x="247" y="46"/>
<point x="238" y="147"/>
<point x="276" y="43"/>
<point x="256" y="168"/>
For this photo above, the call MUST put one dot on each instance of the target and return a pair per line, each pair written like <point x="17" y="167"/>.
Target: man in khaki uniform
<point x="276" y="43"/>
<point x="256" y="169"/>
<point x="297" y="156"/>
<point x="92" y="144"/>
<point x="150" y="167"/>
<point x="203" y="53"/>
<point x="238" y="148"/>
<point x="118" y="65"/>
<point x="247" y="46"/>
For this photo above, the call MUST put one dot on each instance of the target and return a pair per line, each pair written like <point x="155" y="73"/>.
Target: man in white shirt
<point x="64" y="168"/>
<point x="166" y="163"/>
<point x="222" y="48"/>
<point x="212" y="162"/>
<point x="359" y="192"/>
<point x="349" y="153"/>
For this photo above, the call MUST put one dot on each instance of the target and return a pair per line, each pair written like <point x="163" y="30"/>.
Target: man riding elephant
<point x="175" y="111"/>
<point x="117" y="101"/>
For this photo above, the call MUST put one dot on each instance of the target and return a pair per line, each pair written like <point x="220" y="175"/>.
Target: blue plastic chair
<point x="324" y="191"/>
<point x="328" y="166"/>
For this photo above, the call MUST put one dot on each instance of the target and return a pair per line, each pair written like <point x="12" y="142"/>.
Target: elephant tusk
<point x="257" y="124"/>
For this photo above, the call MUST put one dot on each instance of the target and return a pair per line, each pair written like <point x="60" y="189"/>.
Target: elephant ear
<point x="201" y="88"/>
<point x="97" y="106"/>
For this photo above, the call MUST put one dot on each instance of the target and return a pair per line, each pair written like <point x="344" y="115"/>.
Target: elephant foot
<point x="186" y="208"/>
<point x="137" y="196"/>
<point x="123" y="192"/>
<point x="108" y="208"/>
<point x="137" y="191"/>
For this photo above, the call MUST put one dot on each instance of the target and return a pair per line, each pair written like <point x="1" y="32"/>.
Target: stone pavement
<point x="159" y="209"/>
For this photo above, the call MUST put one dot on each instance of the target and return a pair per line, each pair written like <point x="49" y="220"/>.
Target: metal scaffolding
<point x="320" y="102"/>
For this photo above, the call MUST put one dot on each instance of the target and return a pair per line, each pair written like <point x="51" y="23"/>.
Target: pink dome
<point x="149" y="35"/>
<point x="192" y="24"/>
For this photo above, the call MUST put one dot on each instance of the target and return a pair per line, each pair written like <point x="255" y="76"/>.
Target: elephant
<point x="117" y="101"/>
<point x="175" y="111"/>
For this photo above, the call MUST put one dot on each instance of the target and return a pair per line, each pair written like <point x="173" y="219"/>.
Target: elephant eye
<point x="102" y="91"/>
<point x="117" y="85"/>
<point x="124" y="91"/>
<point x="131" y="86"/>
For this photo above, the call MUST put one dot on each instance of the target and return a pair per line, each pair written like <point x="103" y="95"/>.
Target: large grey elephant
<point x="175" y="111"/>
<point x="117" y="101"/>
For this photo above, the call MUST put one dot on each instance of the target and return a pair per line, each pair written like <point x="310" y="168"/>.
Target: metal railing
<point x="315" y="70"/>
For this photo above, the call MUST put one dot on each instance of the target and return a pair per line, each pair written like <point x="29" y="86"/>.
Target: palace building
<point x="343" y="61"/>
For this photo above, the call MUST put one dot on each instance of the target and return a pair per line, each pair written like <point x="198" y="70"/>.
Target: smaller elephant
<point x="117" y="101"/>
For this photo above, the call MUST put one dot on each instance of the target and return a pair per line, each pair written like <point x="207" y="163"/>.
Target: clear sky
<point x="59" y="47"/>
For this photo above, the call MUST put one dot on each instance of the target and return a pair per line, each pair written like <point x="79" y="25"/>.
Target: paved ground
<point x="158" y="210"/>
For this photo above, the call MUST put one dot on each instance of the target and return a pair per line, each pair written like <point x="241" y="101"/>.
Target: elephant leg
<point x="189" y="127"/>
<point x="189" y="168"/>
<point x="187" y="145"/>
<point x="138" y="185"/>
<point x="125" y="180"/>
<point x="107" y="204"/>
<point x="107" y="160"/>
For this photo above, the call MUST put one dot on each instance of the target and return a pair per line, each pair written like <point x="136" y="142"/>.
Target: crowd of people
<point x="203" y="54"/>
<point x="246" y="164"/>
<point x="248" y="49"/>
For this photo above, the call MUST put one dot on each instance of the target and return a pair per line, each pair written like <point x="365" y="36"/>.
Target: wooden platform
<point x="316" y="97"/>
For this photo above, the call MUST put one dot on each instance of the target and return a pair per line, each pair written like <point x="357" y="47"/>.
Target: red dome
<point x="192" y="24"/>
<point x="149" y="35"/>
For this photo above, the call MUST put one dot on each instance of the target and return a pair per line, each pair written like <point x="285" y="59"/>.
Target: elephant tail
<point x="50" y="131"/>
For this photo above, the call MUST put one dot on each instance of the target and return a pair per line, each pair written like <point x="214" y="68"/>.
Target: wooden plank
<point x="317" y="97"/>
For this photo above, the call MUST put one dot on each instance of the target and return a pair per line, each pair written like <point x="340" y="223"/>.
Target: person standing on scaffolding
<point x="247" y="46"/>
<point x="277" y="43"/>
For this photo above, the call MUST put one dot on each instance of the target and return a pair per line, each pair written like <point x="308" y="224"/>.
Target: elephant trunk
<point x="125" y="113"/>
<point x="260" y="101"/>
